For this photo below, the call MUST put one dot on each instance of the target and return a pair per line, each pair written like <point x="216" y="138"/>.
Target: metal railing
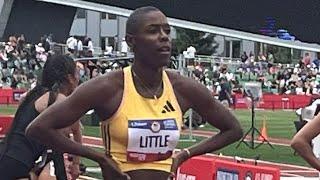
<point x="63" y="49"/>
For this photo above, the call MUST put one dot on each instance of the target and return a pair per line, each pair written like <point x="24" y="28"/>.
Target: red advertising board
<point x="234" y="171"/>
<point x="274" y="101"/>
<point x="10" y="96"/>
<point x="197" y="168"/>
<point x="5" y="124"/>
<point x="211" y="168"/>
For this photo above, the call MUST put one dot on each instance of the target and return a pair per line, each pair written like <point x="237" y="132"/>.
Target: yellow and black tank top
<point x="143" y="132"/>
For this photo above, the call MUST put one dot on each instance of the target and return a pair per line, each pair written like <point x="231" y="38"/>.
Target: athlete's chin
<point x="163" y="61"/>
<point x="163" y="64"/>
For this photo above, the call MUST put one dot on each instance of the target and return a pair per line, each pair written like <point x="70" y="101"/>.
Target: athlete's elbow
<point x="296" y="143"/>
<point x="33" y="130"/>
<point x="237" y="132"/>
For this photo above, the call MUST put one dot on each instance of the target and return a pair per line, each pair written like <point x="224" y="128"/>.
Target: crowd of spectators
<point x="20" y="62"/>
<point x="302" y="78"/>
<point x="80" y="47"/>
<point x="226" y="79"/>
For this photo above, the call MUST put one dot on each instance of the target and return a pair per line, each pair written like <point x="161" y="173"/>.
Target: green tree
<point x="203" y="42"/>
<point x="281" y="54"/>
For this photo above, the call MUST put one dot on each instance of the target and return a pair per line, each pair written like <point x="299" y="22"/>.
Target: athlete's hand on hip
<point x="110" y="170"/>
<point x="178" y="159"/>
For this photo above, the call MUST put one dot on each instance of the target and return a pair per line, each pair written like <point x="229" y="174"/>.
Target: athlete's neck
<point x="152" y="77"/>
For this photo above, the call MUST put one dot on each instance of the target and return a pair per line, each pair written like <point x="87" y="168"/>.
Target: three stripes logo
<point x="168" y="108"/>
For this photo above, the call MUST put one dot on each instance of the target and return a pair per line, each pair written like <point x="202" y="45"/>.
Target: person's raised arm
<point x="301" y="142"/>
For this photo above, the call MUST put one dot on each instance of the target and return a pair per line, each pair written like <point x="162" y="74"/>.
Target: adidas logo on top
<point x="168" y="108"/>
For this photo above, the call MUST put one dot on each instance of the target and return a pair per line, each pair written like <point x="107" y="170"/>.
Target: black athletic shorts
<point x="12" y="169"/>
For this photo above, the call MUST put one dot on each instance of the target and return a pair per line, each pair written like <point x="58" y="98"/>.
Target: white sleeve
<point x="218" y="89"/>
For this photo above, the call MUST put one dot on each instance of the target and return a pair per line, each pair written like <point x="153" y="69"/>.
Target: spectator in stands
<point x="20" y="44"/>
<point x="19" y="79"/>
<point x="18" y="153"/>
<point x="306" y="59"/>
<point x="225" y="74"/>
<point x="84" y="72"/>
<point x="262" y="57"/>
<point x="198" y="74"/>
<point x="251" y="59"/>
<point x="109" y="50"/>
<point x="11" y="49"/>
<point x="13" y="41"/>
<point x="224" y="91"/>
<point x="86" y="41"/>
<point x="308" y="87"/>
<point x="299" y="88"/>
<point x="96" y="72"/>
<point x="216" y="73"/>
<point x="244" y="57"/>
<point x="189" y="55"/>
<point x="41" y="54"/>
<point x="79" y="47"/>
<point x="236" y="86"/>
<point x="3" y="55"/>
<point x="45" y="42"/>
<point x="270" y="58"/>
<point x="191" y="51"/>
<point x="49" y="39"/>
<point x="71" y="44"/>
<point x="316" y="61"/>
<point x="147" y="86"/>
<point x="88" y="47"/>
<point x="291" y="88"/>
<point x="90" y="44"/>
<point x="294" y="77"/>
<point x="124" y="47"/>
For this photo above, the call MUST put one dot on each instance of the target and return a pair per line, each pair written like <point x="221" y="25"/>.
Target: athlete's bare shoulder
<point x="178" y="81"/>
<point x="189" y="92"/>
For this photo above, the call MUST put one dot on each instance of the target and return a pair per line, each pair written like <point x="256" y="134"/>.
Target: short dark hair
<point x="134" y="20"/>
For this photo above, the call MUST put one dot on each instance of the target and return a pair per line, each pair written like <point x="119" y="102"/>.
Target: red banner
<point x="226" y="169"/>
<point x="197" y="168"/>
<point x="210" y="168"/>
<point x="5" y="123"/>
<point x="273" y="101"/>
<point x="10" y="96"/>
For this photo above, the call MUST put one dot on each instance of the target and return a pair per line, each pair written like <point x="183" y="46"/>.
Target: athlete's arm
<point x="77" y="137"/>
<point x="199" y="98"/>
<point x="74" y="168"/>
<point x="301" y="141"/>
<point x="63" y="114"/>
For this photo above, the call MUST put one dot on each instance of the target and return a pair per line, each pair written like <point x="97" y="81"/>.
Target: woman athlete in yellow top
<point x="141" y="107"/>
